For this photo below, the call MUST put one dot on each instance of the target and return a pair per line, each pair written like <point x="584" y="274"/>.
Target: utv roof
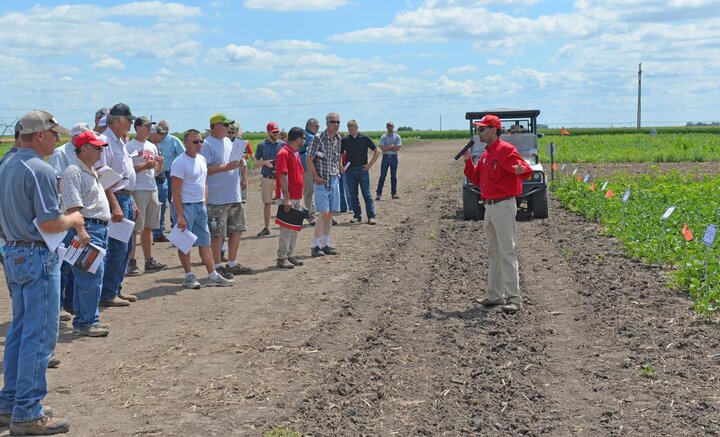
<point x="503" y="113"/>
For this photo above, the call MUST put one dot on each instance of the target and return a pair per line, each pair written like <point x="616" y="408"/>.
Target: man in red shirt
<point x="499" y="173"/>
<point x="289" y="188"/>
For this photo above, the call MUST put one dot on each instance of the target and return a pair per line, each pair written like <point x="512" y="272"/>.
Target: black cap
<point x="121" y="110"/>
<point x="142" y="120"/>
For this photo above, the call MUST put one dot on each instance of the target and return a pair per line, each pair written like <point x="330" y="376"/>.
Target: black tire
<point x="472" y="210"/>
<point x="539" y="205"/>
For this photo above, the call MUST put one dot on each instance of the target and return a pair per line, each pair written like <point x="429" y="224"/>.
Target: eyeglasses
<point x="334" y="121"/>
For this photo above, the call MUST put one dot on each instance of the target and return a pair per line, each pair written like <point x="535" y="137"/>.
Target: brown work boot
<point x="45" y="425"/>
<point x="6" y="419"/>
<point x="116" y="302"/>
<point x="128" y="297"/>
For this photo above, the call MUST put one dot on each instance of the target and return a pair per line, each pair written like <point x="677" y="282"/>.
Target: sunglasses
<point x="196" y="141"/>
<point x="334" y="121"/>
<point x="481" y="128"/>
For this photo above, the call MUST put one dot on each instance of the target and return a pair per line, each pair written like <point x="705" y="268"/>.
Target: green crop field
<point x="634" y="147"/>
<point x="646" y="236"/>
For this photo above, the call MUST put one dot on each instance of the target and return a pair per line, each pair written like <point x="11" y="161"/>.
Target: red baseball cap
<point x="489" y="120"/>
<point x="88" y="138"/>
<point x="273" y="127"/>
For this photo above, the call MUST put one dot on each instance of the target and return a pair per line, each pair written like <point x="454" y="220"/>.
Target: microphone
<point x="467" y="146"/>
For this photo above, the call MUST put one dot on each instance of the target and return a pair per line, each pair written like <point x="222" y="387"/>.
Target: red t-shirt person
<point x="287" y="162"/>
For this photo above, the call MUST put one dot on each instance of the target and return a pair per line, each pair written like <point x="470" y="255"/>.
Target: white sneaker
<point x="191" y="282"/>
<point x="219" y="282"/>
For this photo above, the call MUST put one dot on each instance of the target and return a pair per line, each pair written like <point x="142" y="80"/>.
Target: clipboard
<point x="291" y="220"/>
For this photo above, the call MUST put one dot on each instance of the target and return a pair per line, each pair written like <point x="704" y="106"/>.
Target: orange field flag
<point x="564" y="131"/>
<point x="554" y="166"/>
<point x="687" y="233"/>
<point x="592" y="187"/>
<point x="609" y="193"/>
<point x="579" y="178"/>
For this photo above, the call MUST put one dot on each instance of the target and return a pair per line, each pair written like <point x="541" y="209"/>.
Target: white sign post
<point x="708" y="240"/>
<point x="664" y="218"/>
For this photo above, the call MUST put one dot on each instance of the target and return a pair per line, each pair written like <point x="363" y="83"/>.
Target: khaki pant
<point x="503" y="281"/>
<point x="308" y="192"/>
<point x="288" y="237"/>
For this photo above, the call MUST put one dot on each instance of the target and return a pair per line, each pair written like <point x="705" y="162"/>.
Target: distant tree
<point x="404" y="128"/>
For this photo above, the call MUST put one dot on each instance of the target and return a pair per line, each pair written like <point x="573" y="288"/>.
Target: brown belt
<point x="27" y="244"/>
<point x="494" y="201"/>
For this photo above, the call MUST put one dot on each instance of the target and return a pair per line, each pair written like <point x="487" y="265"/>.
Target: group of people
<point x="203" y="181"/>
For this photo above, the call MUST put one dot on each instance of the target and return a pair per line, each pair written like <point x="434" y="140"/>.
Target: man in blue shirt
<point x="33" y="274"/>
<point x="169" y="147"/>
<point x="311" y="129"/>
<point x="265" y="159"/>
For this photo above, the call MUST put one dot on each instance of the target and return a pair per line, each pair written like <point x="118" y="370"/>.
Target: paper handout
<point x="238" y="151"/>
<point x="52" y="240"/>
<point x="182" y="239"/>
<point x="108" y="177"/>
<point x="87" y="257"/>
<point x="121" y="231"/>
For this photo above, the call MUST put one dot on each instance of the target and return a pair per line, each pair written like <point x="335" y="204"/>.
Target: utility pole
<point x="440" y="122"/>
<point x="639" y="94"/>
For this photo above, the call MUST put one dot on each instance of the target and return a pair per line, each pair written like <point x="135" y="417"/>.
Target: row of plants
<point x="638" y="223"/>
<point x="633" y="147"/>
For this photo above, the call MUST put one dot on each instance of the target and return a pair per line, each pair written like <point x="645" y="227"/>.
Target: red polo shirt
<point x="494" y="172"/>
<point x="287" y="162"/>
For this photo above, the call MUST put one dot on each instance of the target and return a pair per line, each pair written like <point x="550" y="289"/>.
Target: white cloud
<point x="290" y="5"/>
<point x="109" y="63"/>
<point x="39" y="29"/>
<point x="465" y="69"/>
<point x="292" y="45"/>
<point x="495" y="62"/>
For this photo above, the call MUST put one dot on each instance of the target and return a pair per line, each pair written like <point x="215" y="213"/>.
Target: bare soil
<point x="387" y="338"/>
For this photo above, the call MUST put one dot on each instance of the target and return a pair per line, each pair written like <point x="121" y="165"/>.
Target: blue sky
<point x="411" y="61"/>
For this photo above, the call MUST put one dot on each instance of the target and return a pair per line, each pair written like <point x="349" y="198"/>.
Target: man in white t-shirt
<point x="147" y="164"/>
<point x="189" y="184"/>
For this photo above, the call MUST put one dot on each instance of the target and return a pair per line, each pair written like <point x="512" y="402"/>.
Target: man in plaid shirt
<point x="323" y="162"/>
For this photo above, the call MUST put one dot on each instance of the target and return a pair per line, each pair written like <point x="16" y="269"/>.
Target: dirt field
<point x="387" y="337"/>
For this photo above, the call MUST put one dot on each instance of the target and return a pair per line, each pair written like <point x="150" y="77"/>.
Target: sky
<point x="418" y="63"/>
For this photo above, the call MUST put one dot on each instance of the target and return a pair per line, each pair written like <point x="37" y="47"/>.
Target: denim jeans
<point x="33" y="275"/>
<point x="66" y="286"/>
<point x="391" y="162"/>
<point x="359" y="176"/>
<point x="88" y="286"/>
<point x="345" y="199"/>
<point x="165" y="194"/>
<point x="117" y="255"/>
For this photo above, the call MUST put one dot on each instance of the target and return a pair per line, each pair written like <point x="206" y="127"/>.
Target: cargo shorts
<point x="227" y="219"/>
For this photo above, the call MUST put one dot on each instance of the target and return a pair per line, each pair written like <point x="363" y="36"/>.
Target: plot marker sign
<point x="626" y="196"/>
<point x="574" y="172"/>
<point x="668" y="213"/>
<point x="604" y="186"/>
<point x="709" y="237"/>
<point x="586" y="178"/>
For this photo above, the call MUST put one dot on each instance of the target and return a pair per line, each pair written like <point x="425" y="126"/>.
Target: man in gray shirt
<point x="224" y="202"/>
<point x="390" y="144"/>
<point x="29" y="186"/>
